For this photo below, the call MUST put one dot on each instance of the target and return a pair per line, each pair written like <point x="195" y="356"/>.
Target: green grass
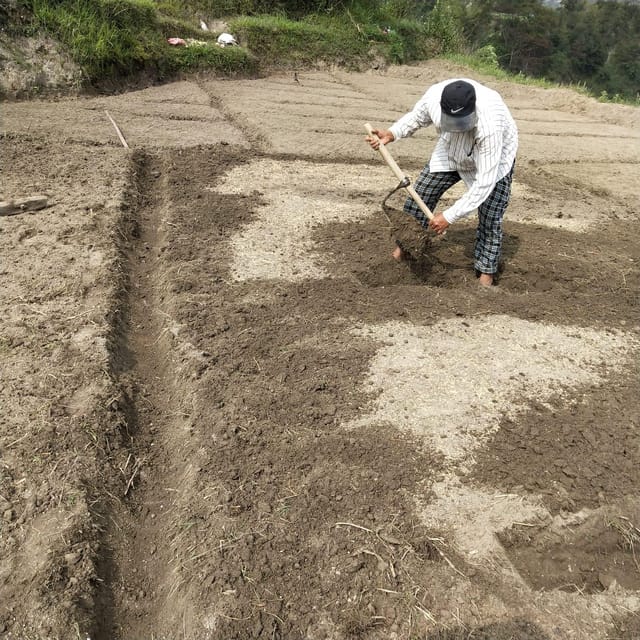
<point x="342" y="39"/>
<point x="278" y="41"/>
<point x="488" y="67"/>
<point x="227" y="60"/>
<point x="616" y="98"/>
<point x="106" y="37"/>
<point x="209" y="8"/>
<point x="482" y="62"/>
<point x="110" y="39"/>
<point x="114" y="39"/>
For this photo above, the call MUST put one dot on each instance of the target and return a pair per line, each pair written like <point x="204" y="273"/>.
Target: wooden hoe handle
<point x="393" y="165"/>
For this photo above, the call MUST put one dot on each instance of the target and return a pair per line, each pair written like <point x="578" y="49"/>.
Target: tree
<point x="581" y="41"/>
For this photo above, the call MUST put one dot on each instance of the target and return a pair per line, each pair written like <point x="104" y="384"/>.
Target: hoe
<point x="404" y="181"/>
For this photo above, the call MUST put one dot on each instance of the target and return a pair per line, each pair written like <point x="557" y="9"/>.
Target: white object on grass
<point x="226" y="39"/>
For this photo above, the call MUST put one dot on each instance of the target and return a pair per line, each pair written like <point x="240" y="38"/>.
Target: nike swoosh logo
<point x="456" y="110"/>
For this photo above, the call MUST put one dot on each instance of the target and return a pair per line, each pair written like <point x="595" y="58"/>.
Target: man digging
<point x="478" y="142"/>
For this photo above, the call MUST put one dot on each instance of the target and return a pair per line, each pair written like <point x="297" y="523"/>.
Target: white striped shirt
<point x="482" y="156"/>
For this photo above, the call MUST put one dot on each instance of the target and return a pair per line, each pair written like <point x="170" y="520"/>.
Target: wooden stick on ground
<point x="117" y="128"/>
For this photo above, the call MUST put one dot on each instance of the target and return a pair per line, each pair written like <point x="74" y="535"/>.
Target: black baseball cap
<point x="458" y="104"/>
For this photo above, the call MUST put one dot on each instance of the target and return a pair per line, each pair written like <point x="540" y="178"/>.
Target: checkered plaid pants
<point x="488" y="245"/>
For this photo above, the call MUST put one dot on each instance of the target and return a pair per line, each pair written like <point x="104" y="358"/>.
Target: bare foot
<point x="486" y="279"/>
<point x="398" y="254"/>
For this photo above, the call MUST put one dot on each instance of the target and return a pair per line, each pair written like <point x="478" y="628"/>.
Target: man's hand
<point x="438" y="223"/>
<point x="384" y="136"/>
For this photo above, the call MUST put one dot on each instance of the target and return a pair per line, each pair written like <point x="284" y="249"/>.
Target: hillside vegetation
<point x="592" y="45"/>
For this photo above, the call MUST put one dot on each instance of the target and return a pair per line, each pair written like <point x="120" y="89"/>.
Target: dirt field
<point x="226" y="413"/>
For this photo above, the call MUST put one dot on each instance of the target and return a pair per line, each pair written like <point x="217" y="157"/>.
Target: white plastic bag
<point x="226" y="40"/>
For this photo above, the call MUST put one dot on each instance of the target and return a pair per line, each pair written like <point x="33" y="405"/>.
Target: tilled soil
<point x="228" y="413"/>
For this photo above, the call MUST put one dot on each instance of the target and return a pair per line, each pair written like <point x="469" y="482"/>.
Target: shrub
<point x="445" y="26"/>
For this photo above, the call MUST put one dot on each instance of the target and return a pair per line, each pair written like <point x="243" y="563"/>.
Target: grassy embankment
<point x="115" y="40"/>
<point x="112" y="39"/>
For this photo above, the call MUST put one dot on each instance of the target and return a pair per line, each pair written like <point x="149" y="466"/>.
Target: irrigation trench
<point x="134" y="589"/>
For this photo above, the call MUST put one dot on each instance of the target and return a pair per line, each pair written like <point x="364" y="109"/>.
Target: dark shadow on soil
<point x="576" y="452"/>
<point x="549" y="275"/>
<point x="431" y="269"/>
<point x="103" y="614"/>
